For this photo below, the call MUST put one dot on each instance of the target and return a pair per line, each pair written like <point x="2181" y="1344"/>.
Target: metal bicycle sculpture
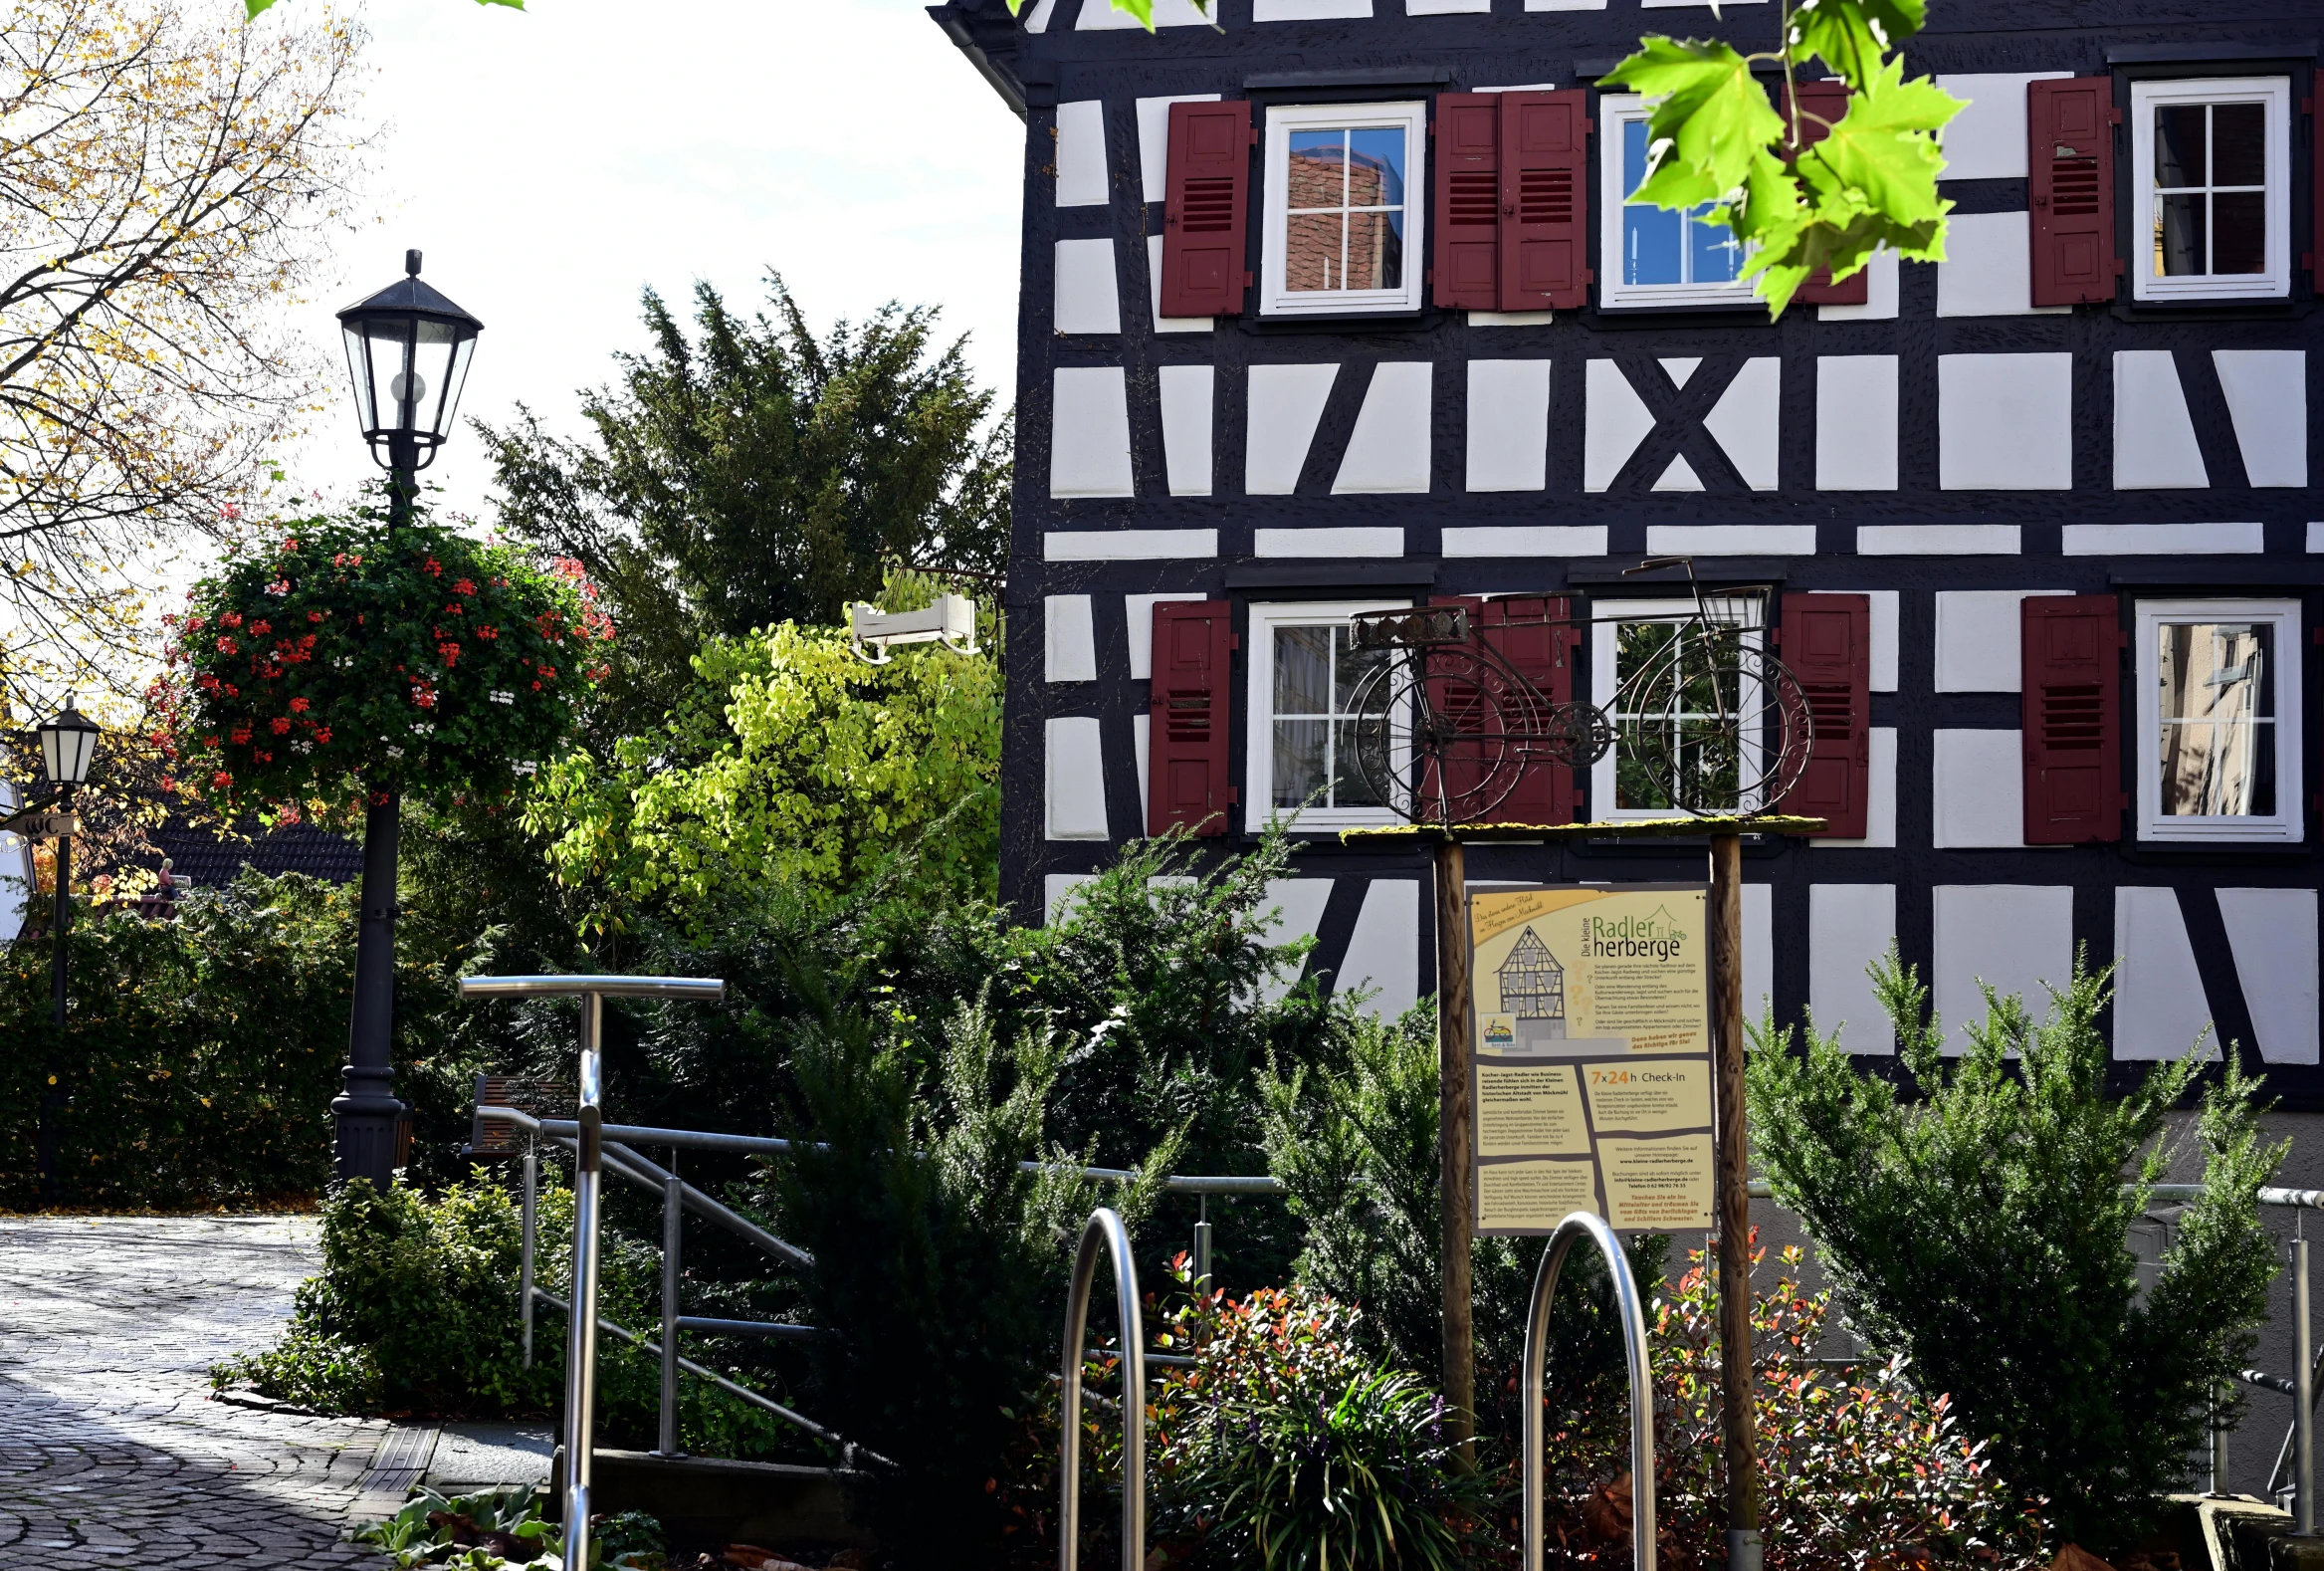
<point x="1704" y="720"/>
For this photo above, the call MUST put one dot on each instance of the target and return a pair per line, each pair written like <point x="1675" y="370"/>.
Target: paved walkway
<point x="110" y="1451"/>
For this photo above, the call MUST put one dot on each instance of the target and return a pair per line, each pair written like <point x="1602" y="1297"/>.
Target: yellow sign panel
<point x="1592" y="1041"/>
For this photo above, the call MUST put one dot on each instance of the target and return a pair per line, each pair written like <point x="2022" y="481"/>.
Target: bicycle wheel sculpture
<point x="1704" y="720"/>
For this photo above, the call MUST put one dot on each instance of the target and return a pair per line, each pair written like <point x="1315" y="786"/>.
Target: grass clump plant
<point x="1978" y="1231"/>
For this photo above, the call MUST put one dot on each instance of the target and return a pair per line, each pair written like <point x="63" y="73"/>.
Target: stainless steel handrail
<point x="1630" y="1311"/>
<point x="1105" y="1230"/>
<point x="588" y="1178"/>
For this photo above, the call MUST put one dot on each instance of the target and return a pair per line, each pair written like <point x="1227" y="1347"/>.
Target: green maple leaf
<point x="1712" y="121"/>
<point x="1853" y="36"/>
<point x="1882" y="156"/>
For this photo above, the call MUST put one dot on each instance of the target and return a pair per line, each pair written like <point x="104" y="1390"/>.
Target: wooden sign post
<point x="1738" y="1400"/>
<point x="1457" y="1207"/>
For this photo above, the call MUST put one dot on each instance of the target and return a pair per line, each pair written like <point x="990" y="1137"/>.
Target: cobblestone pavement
<point x="110" y="1451"/>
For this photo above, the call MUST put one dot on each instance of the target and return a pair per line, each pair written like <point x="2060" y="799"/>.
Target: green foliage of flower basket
<point x="334" y="660"/>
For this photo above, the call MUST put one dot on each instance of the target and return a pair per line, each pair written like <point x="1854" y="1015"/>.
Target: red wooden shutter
<point x="1468" y="201"/>
<point x="2069" y="129"/>
<point x="1529" y="632"/>
<point x="1545" y="200"/>
<point x="1187" y="757"/>
<point x="1206" y="196"/>
<point x="1828" y="101"/>
<point x="2072" y="717"/>
<point x="1827" y="645"/>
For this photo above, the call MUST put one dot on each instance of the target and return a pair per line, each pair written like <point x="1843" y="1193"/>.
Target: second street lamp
<point x="409" y="349"/>
<point x="68" y="747"/>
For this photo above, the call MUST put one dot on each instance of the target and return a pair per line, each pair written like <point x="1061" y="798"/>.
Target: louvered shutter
<point x="1467" y="263"/>
<point x="1206" y="195"/>
<point x="1545" y="200"/>
<point x="1827" y="645"/>
<point x="1828" y="101"/>
<point x="1186" y="729"/>
<point x="1529" y="632"/>
<point x="2071" y="668"/>
<point x="2070" y="127"/>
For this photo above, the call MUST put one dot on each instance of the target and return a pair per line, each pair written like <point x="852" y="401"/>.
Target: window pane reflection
<point x="1320" y="695"/>
<point x="1344" y="194"/>
<point x="2217" y="707"/>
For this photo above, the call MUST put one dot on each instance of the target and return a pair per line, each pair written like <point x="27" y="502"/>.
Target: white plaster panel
<point x="1939" y="539"/>
<point x="1162" y="324"/>
<point x="1880" y="805"/>
<point x="1678" y="475"/>
<point x="1081" y="153"/>
<point x="1076" y="779"/>
<point x="1884" y="607"/>
<point x="1384" y="953"/>
<point x="2006" y="423"/>
<point x="2154" y="436"/>
<point x="1565" y="5"/>
<point x="1759" y="948"/>
<point x="1987" y="269"/>
<point x="1299" y="910"/>
<point x="1307" y="10"/>
<point x="2268" y="398"/>
<point x="1286" y="402"/>
<point x="1849" y="926"/>
<point x="2162" y="539"/>
<point x="1087" y="298"/>
<point x="1747" y="423"/>
<point x="1732" y="540"/>
<point x="2019" y="938"/>
<point x="2315" y="538"/>
<point x="1509" y="319"/>
<point x="1154" y="131"/>
<point x="1987" y="140"/>
<point x="1509" y="425"/>
<point x="1137" y="611"/>
<point x="2272" y="934"/>
<point x="1056" y="890"/>
<point x="2158" y="1005"/>
<point x="1069" y="640"/>
<point x="1680" y="368"/>
<point x="1038" y="14"/>
<point x="1855" y="423"/>
<point x="1089" y="434"/>
<point x="1446" y="7"/>
<point x="1978" y="638"/>
<point x="1980" y="790"/>
<point x="1616" y="422"/>
<point x="1378" y="540"/>
<point x="1883" y="288"/>
<point x="1127" y="544"/>
<point x="1524" y="540"/>
<point x="1141" y="738"/>
<point x="1186" y="396"/>
<point x="1388" y="449"/>
<point x="1102" y="16"/>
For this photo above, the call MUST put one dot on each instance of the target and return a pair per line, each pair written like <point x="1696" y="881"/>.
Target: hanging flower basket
<point x="334" y="663"/>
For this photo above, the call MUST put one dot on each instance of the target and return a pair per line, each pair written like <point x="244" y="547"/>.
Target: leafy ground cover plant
<point x="505" y="1531"/>
<point x="1980" y="1230"/>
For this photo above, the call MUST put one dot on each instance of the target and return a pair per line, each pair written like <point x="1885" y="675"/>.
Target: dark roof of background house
<point x="210" y="860"/>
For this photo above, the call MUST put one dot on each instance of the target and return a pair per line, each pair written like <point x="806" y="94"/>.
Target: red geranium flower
<point x="281" y="724"/>
<point x="298" y="705"/>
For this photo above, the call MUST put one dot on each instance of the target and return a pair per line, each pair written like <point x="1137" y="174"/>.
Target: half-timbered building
<point x="1341" y="304"/>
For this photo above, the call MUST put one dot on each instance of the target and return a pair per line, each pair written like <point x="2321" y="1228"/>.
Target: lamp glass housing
<point x="69" y="746"/>
<point x="408" y="351"/>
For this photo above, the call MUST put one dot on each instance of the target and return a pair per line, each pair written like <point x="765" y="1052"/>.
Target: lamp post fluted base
<point x="367" y="1119"/>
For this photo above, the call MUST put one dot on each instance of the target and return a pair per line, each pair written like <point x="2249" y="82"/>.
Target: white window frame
<point x="1605" y="615"/>
<point x="2288" y="824"/>
<point x="1282" y="120"/>
<point x="1615" y="110"/>
<point x="2145" y="99"/>
<point x="1259" y="775"/>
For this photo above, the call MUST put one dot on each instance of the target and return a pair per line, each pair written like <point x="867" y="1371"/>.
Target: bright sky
<point x="553" y="161"/>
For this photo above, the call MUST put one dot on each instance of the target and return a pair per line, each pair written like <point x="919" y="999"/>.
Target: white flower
<point x="502" y="696"/>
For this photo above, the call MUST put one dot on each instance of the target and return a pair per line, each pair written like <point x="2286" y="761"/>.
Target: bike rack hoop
<point x="1104" y="1230"/>
<point x="1630" y="1309"/>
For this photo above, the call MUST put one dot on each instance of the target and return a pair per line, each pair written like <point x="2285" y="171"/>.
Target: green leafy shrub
<point x="1980" y="1232"/>
<point x="1288" y="1446"/>
<point x="504" y="1528"/>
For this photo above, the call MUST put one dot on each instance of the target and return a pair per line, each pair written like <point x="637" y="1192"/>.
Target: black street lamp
<point x="409" y="349"/>
<point x="68" y="747"/>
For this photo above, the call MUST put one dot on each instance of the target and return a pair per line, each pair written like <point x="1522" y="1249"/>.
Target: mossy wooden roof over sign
<point x="1620" y="829"/>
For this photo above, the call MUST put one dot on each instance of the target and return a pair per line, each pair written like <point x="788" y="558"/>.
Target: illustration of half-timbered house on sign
<point x="1343" y="305"/>
<point x="1533" y="987"/>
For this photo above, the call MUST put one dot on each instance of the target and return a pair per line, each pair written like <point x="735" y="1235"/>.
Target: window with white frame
<point x="2210" y="188"/>
<point x="1342" y="220"/>
<point x="1655" y="257"/>
<point x="1305" y="673"/>
<point x="2219" y="719"/>
<point x="1646" y="672"/>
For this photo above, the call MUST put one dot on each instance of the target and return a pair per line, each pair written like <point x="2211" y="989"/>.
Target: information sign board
<point x="1591" y="1083"/>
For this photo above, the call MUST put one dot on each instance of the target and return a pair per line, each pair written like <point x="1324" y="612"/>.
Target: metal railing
<point x="1630" y="1311"/>
<point x="1104" y="1230"/>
